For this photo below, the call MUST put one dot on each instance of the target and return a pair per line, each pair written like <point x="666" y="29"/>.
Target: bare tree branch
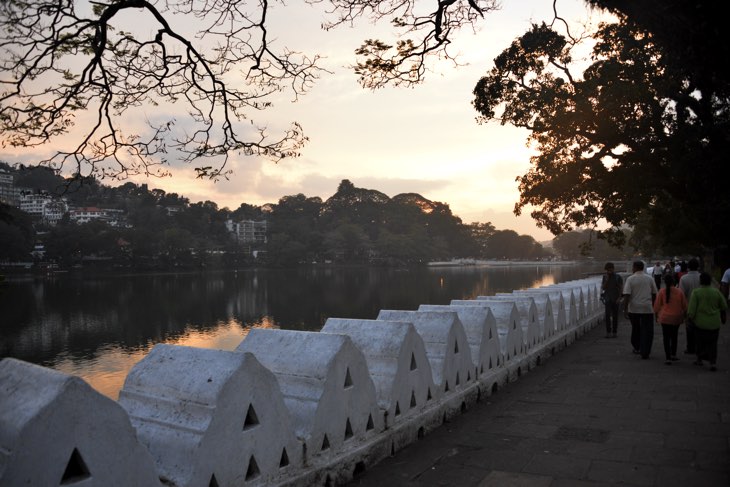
<point x="84" y="76"/>
<point x="55" y="64"/>
<point x="423" y="33"/>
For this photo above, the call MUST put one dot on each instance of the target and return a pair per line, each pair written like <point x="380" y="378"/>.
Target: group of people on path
<point x="688" y="298"/>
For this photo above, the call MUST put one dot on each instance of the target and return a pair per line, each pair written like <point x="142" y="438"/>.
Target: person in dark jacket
<point x="611" y="288"/>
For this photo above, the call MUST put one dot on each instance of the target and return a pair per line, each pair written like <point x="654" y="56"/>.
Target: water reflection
<point x="108" y="368"/>
<point x="98" y="328"/>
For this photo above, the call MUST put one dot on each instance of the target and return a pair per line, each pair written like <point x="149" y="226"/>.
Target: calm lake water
<point x="98" y="327"/>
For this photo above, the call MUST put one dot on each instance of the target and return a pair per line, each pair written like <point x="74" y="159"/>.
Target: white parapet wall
<point x="481" y="333"/>
<point x="591" y="291"/>
<point x="545" y="314"/>
<point x="210" y="417"/>
<point x="569" y="301"/>
<point x="557" y="304"/>
<point x="447" y="346"/>
<point x="287" y="408"/>
<point x="55" y="430"/>
<point x="586" y="312"/>
<point x="577" y="297"/>
<point x="587" y="295"/>
<point x="396" y="359"/>
<point x="509" y="325"/>
<point x="326" y="386"/>
<point x="530" y="319"/>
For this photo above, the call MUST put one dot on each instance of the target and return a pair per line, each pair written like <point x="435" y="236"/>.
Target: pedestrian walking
<point x="708" y="310"/>
<point x="688" y="283"/>
<point x="670" y="307"/>
<point x="638" y="295"/>
<point x="611" y="289"/>
<point x="725" y="283"/>
<point x="683" y="268"/>
<point x="656" y="273"/>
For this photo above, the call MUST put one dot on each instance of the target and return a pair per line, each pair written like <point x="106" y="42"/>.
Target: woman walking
<point x="670" y="307"/>
<point x="707" y="309"/>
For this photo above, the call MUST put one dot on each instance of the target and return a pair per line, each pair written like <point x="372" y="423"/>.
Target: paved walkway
<point x="592" y="415"/>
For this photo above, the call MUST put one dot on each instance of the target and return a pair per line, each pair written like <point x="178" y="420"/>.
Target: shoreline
<point x="502" y="263"/>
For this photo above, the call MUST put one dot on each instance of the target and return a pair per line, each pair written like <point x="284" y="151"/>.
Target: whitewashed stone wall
<point x="210" y="417"/>
<point x="287" y="407"/>
<point x="447" y="347"/>
<point x="509" y="325"/>
<point x="571" y="309"/>
<point x="546" y="318"/>
<point x="576" y="295"/>
<point x="557" y="304"/>
<point x="326" y="385"/>
<point x="397" y="362"/>
<point x="481" y="332"/>
<point x="530" y="319"/>
<point x="584" y="308"/>
<point x="56" y="430"/>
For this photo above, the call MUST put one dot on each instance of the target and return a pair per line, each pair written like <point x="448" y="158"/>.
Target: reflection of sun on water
<point x="107" y="371"/>
<point x="546" y="280"/>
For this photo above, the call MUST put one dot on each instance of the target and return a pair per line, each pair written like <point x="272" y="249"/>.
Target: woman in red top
<point x="670" y="308"/>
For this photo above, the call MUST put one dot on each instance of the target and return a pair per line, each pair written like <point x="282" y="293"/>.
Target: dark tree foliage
<point x="692" y="33"/>
<point x="39" y="177"/>
<point x="355" y="225"/>
<point x="365" y="225"/>
<point x="630" y="140"/>
<point x="17" y="235"/>
<point x="358" y="206"/>
<point x="295" y="234"/>
<point x="481" y="233"/>
<point x="577" y="245"/>
<point x="508" y="244"/>
<point x="247" y="212"/>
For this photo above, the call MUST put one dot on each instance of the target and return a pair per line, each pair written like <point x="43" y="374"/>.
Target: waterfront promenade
<point x="592" y="415"/>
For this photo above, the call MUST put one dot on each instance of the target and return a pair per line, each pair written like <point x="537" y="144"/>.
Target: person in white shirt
<point x="657" y="273"/>
<point x="725" y="283"/>
<point x="638" y="295"/>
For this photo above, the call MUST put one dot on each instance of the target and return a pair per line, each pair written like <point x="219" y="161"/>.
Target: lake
<point x="98" y="327"/>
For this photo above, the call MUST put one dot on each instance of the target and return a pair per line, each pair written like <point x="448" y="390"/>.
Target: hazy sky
<point x="423" y="140"/>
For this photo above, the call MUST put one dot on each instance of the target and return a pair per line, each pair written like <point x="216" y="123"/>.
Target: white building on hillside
<point x="9" y="194"/>
<point x="110" y="216"/>
<point x="248" y="231"/>
<point x="47" y="208"/>
<point x="53" y="211"/>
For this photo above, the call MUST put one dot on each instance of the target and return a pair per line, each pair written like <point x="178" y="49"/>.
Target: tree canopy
<point x="631" y="138"/>
<point x="365" y="225"/>
<point x="692" y="33"/>
<point x="160" y="230"/>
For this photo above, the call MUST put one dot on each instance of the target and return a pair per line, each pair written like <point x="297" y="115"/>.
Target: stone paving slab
<point x="593" y="415"/>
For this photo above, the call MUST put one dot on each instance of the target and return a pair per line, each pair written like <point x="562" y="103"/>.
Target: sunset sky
<point x="423" y="140"/>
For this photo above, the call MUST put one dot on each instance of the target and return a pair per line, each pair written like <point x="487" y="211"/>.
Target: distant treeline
<point x="164" y="230"/>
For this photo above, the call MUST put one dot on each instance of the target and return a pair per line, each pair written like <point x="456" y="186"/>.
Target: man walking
<point x="688" y="283"/>
<point x="657" y="273"/>
<point x="611" y="288"/>
<point x="639" y="293"/>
